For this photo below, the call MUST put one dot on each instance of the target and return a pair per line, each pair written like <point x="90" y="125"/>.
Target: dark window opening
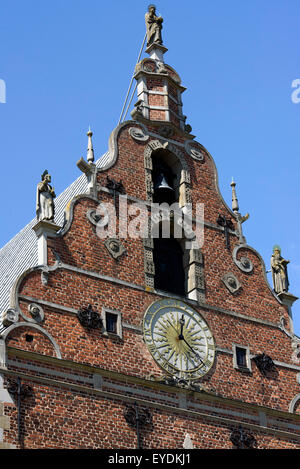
<point x="168" y="261"/>
<point x="111" y="323"/>
<point x="241" y="359"/>
<point x="29" y="338"/>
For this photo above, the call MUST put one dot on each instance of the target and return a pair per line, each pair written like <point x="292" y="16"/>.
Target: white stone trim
<point x="119" y="332"/>
<point x="247" y="356"/>
<point x="293" y="403"/>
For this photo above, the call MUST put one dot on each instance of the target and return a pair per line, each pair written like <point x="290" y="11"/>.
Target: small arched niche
<point x="166" y="177"/>
<point x="178" y="175"/>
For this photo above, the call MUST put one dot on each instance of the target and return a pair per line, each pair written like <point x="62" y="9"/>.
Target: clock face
<point x="178" y="339"/>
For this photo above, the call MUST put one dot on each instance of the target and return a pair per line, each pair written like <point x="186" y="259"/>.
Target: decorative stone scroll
<point x="193" y="151"/>
<point x="93" y="216"/>
<point x="243" y="263"/>
<point x="138" y="134"/>
<point x="10" y="316"/>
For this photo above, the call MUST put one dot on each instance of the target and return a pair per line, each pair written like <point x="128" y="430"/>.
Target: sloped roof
<point x="20" y="253"/>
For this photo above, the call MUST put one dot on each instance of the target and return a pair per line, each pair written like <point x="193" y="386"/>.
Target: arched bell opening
<point x="166" y="177"/>
<point x="165" y="166"/>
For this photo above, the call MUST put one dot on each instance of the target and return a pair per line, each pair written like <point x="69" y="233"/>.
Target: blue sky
<point x="67" y="64"/>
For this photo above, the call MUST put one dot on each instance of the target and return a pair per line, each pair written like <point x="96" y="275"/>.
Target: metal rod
<point x="129" y="102"/>
<point x="132" y="80"/>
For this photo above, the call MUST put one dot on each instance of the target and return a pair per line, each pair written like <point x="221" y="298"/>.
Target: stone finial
<point x="235" y="204"/>
<point x="90" y="150"/>
<point x="88" y="167"/>
<point x="45" y="199"/>
<point x="235" y="208"/>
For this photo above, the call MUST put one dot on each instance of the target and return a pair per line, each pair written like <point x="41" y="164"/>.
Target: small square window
<point x="112" y="322"/>
<point x="241" y="358"/>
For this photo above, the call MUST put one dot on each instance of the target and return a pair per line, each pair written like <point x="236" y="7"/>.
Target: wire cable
<point x="124" y="117"/>
<point x="126" y="99"/>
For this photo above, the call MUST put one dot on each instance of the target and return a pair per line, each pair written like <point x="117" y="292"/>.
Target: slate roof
<point x="20" y="253"/>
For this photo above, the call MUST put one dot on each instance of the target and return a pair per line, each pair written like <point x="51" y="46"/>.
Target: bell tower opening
<point x="166" y="177"/>
<point x="163" y="182"/>
<point x="168" y="261"/>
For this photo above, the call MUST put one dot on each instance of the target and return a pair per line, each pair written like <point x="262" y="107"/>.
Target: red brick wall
<point x="53" y="414"/>
<point x="54" y="417"/>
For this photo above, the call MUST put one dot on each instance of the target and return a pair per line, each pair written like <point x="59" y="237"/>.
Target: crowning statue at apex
<point x="153" y="26"/>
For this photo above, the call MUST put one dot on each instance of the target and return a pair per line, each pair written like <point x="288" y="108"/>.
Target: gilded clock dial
<point x="178" y="339"/>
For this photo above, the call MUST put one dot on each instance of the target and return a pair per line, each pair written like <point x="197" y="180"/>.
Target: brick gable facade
<point x="83" y="381"/>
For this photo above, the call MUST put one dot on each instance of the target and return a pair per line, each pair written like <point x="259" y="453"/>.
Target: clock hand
<point x="181" y="337"/>
<point x="196" y="353"/>
<point x="172" y="326"/>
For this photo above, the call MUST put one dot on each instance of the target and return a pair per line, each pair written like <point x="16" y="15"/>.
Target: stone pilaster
<point x="43" y="229"/>
<point x="4" y="420"/>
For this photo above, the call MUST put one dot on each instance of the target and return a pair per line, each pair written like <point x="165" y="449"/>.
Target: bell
<point x="163" y="192"/>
